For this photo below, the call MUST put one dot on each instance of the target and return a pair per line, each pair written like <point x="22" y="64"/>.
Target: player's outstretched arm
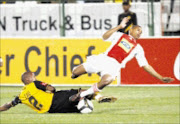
<point x="151" y="71"/>
<point x="111" y="31"/>
<point x="10" y="104"/>
<point x="6" y="106"/>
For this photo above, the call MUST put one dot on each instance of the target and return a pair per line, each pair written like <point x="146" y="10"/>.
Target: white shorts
<point x="103" y="64"/>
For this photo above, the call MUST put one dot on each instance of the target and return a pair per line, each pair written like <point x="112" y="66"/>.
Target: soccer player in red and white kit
<point x="123" y="48"/>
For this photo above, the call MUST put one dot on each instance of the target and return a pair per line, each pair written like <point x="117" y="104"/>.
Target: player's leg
<point x="100" y="63"/>
<point x="90" y="66"/>
<point x="97" y="87"/>
<point x="61" y="103"/>
<point x="77" y="71"/>
<point x="100" y="98"/>
<point x="105" y="80"/>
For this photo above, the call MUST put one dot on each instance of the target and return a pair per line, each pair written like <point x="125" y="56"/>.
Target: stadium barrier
<point x="81" y="20"/>
<point x="53" y="59"/>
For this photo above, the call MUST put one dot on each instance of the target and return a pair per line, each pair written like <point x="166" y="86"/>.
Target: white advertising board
<point x="81" y="20"/>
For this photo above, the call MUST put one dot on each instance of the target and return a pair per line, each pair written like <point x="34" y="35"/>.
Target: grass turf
<point x="135" y="105"/>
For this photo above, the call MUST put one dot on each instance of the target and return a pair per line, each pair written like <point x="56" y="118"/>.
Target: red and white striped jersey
<point x="124" y="48"/>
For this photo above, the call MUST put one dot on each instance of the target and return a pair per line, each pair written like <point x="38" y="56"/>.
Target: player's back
<point x="39" y="100"/>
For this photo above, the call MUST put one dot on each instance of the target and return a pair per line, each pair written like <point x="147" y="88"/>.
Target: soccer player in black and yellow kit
<point x="42" y="97"/>
<point x="127" y="13"/>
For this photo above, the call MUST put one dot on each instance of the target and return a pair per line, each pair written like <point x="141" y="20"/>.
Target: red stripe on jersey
<point x="44" y="84"/>
<point x="122" y="48"/>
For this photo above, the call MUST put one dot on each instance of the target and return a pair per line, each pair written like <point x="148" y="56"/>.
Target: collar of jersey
<point x="132" y="37"/>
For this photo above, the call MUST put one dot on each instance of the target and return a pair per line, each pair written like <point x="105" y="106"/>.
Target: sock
<point x="90" y="91"/>
<point x="97" y="96"/>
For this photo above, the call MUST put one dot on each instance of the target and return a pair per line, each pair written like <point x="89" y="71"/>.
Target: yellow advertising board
<point x="51" y="59"/>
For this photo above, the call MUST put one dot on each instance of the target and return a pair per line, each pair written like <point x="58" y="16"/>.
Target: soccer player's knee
<point x="108" y="80"/>
<point x="74" y="73"/>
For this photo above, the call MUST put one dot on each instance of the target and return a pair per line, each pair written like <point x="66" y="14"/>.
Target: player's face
<point x="33" y="77"/>
<point x="126" y="7"/>
<point x="136" y="33"/>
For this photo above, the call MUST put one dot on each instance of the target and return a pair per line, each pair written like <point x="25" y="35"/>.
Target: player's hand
<point x="124" y="21"/>
<point x="167" y="79"/>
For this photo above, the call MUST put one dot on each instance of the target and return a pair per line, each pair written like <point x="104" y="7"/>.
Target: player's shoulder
<point x="139" y="45"/>
<point x="40" y="85"/>
<point x="139" y="48"/>
<point x="40" y="82"/>
<point x="36" y="81"/>
<point x="120" y="14"/>
<point x="123" y="15"/>
<point x="132" y="13"/>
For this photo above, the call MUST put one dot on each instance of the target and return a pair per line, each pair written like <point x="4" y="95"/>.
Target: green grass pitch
<point x="135" y="105"/>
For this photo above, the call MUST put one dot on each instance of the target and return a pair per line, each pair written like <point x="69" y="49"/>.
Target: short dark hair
<point x="24" y="76"/>
<point x="134" y="26"/>
<point x="126" y="2"/>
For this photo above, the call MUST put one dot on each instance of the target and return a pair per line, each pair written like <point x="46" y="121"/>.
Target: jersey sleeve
<point x="140" y="56"/>
<point x="114" y="37"/>
<point x="15" y="101"/>
<point x="40" y="85"/>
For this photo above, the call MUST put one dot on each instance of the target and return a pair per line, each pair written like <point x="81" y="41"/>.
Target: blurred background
<point x="86" y="18"/>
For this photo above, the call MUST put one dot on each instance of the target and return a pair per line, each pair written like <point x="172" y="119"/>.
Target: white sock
<point x="98" y="96"/>
<point x="90" y="91"/>
<point x="87" y="92"/>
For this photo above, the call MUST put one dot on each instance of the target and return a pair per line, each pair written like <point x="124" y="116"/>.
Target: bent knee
<point x="74" y="70"/>
<point x="108" y="80"/>
<point x="77" y="71"/>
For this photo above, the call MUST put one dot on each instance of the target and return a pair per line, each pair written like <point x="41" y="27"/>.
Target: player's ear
<point x="130" y="30"/>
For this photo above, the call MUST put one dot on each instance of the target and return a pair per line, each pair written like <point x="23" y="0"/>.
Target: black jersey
<point x="132" y="21"/>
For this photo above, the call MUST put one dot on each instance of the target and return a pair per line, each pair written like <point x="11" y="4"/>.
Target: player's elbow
<point x="3" y="109"/>
<point x="104" y="37"/>
<point x="51" y="88"/>
<point x="146" y="67"/>
<point x="5" y="106"/>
